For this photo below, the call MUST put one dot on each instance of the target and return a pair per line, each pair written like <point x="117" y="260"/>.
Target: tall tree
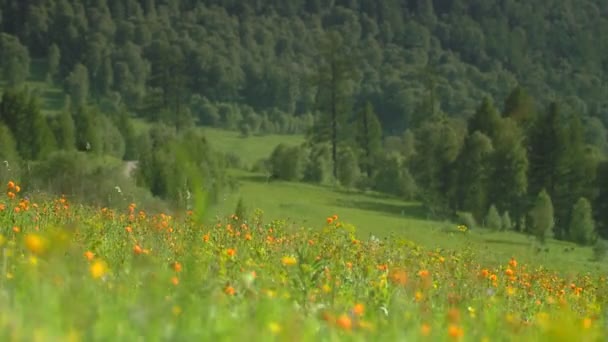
<point x="368" y="138"/>
<point x="334" y="80"/>
<point x="14" y="60"/>
<point x="473" y="173"/>
<point x="509" y="182"/>
<point x="520" y="107"/>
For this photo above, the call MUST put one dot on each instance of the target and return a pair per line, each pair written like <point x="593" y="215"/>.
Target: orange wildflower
<point x="344" y="322"/>
<point x="128" y="229"/>
<point x="425" y="329"/>
<point x="229" y="290"/>
<point x="175" y="281"/>
<point x="330" y="220"/>
<point x="89" y="255"/>
<point x="513" y="263"/>
<point x="358" y="309"/>
<point x="424" y="273"/>
<point x="10" y="185"/>
<point x="398" y="276"/>
<point x="455" y="332"/>
<point x="177" y="267"/>
<point x="230" y="252"/>
<point x="16" y="229"/>
<point x="137" y="249"/>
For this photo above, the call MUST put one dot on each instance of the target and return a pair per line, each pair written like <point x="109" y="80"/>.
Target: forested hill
<point x="161" y="56"/>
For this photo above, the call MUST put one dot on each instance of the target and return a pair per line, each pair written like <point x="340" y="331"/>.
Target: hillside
<point x="157" y="56"/>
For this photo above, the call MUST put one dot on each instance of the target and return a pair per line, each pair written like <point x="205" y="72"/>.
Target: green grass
<point x="308" y="205"/>
<point x="249" y="149"/>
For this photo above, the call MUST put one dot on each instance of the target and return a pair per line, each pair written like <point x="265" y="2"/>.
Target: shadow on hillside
<point x="506" y="242"/>
<point x="406" y="210"/>
<point x="256" y="178"/>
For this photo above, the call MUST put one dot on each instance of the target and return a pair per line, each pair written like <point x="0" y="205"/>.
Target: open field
<point x="83" y="274"/>
<point x="306" y="205"/>
<point x="250" y="149"/>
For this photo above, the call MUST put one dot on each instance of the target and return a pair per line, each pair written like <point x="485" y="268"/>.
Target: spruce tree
<point x="472" y="175"/>
<point x="368" y="138"/>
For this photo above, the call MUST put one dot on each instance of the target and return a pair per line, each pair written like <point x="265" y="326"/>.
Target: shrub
<point x="542" y="217"/>
<point x="466" y="219"/>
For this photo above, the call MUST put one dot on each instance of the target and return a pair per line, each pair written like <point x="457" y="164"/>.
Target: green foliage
<point x="466" y="219"/>
<point x="287" y="162"/>
<point x="77" y="85"/>
<point x="319" y="165"/>
<point x="20" y="111"/>
<point x="582" y="226"/>
<point x="9" y="157"/>
<point x="493" y="220"/>
<point x="240" y="211"/>
<point x="393" y="177"/>
<point x="14" y="60"/>
<point x="542" y="217"/>
<point x="600" y="250"/>
<point x="368" y="137"/>
<point x="506" y="222"/>
<point x="348" y="167"/>
<point x="473" y="175"/>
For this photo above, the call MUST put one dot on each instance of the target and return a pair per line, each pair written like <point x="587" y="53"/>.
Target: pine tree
<point x="520" y="107"/>
<point x="334" y="81"/>
<point x="485" y="120"/>
<point x="368" y="138"/>
<point x="472" y="175"/>
<point x="66" y="135"/>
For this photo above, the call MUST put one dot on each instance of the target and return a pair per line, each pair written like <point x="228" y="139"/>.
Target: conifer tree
<point x="368" y="138"/>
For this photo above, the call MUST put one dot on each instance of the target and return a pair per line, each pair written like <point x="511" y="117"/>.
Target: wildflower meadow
<point x="76" y="273"/>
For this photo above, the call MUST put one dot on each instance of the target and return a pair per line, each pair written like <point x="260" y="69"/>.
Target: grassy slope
<point x="307" y="205"/>
<point x="249" y="149"/>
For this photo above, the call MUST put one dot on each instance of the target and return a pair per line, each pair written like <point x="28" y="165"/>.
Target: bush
<point x="466" y="219"/>
<point x="600" y="250"/>
<point x="319" y="165"/>
<point x="287" y="163"/>
<point x="507" y="224"/>
<point x="348" y="167"/>
<point x="542" y="217"/>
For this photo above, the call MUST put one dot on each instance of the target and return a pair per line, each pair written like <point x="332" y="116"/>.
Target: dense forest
<point x="490" y="110"/>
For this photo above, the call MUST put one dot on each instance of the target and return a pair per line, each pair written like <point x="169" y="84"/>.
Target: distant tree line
<point x="164" y="58"/>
